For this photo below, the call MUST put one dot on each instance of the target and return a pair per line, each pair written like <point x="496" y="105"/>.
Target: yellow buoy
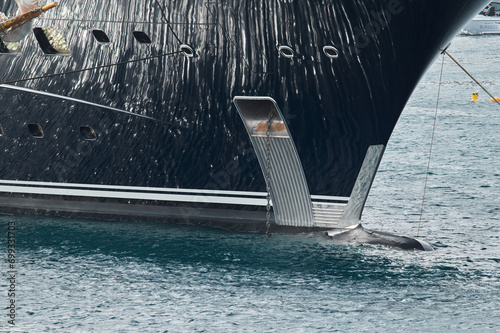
<point x="497" y="99"/>
<point x="475" y="96"/>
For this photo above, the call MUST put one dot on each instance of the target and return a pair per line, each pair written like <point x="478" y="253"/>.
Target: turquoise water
<point x="82" y="275"/>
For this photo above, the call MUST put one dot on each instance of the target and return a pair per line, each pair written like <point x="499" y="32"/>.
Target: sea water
<point x="78" y="275"/>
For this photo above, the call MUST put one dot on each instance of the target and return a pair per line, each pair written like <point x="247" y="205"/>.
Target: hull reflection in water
<point x="184" y="111"/>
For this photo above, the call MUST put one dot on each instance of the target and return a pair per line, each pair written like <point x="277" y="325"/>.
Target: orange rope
<point x="14" y="22"/>
<point x="493" y="99"/>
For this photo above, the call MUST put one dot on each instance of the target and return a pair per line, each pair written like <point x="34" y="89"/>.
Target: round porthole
<point x="331" y="52"/>
<point x="286" y="51"/>
<point x="187" y="50"/>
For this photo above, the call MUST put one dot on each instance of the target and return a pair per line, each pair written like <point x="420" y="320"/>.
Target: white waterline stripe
<point x="135" y="196"/>
<point x="156" y="189"/>
<point x="131" y="188"/>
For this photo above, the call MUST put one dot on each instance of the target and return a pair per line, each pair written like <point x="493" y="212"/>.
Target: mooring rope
<point x="432" y="144"/>
<point x="493" y="99"/>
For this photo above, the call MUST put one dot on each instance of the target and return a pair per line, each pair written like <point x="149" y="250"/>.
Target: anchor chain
<point x="268" y="173"/>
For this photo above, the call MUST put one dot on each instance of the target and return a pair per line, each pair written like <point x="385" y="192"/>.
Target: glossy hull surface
<point x="169" y="142"/>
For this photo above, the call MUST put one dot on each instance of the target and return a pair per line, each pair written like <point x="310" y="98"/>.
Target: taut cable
<point x="430" y="150"/>
<point x="472" y="77"/>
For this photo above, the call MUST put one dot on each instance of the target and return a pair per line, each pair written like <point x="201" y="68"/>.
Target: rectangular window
<point x="142" y="37"/>
<point x="36" y="130"/>
<point x="51" y="41"/>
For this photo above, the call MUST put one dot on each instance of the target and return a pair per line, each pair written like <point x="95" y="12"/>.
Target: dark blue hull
<point x="169" y="143"/>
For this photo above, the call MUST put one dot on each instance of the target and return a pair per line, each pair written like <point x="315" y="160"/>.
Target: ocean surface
<point x="79" y="275"/>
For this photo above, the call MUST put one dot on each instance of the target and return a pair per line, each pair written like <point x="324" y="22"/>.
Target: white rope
<point x="432" y="144"/>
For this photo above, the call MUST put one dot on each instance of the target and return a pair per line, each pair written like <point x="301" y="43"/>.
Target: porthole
<point x="142" y="37"/>
<point x="286" y="51"/>
<point x="36" y="130"/>
<point x="88" y="133"/>
<point x="51" y="41"/>
<point x="100" y="36"/>
<point x="331" y="52"/>
<point x="187" y="50"/>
